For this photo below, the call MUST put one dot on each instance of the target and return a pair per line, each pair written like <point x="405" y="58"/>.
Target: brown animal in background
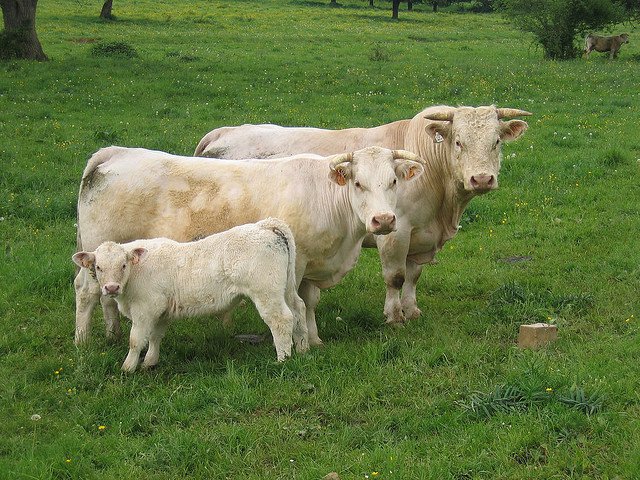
<point x="604" y="44"/>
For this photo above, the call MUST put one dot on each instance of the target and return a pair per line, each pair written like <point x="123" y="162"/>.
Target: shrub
<point x="555" y="23"/>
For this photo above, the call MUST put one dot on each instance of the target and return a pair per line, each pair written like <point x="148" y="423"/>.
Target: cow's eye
<point x="98" y="268"/>
<point x="458" y="144"/>
<point x="395" y="182"/>
<point x="124" y="266"/>
<point x="357" y="184"/>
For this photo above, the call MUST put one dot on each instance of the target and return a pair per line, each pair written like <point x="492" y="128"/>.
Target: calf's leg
<point x="141" y="328"/>
<point x="393" y="249"/>
<point x="155" y="337"/>
<point x="279" y="318"/>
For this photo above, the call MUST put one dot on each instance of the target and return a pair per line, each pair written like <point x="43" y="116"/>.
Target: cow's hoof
<point x="394" y="323"/>
<point x="411" y="313"/>
<point x="315" y="342"/>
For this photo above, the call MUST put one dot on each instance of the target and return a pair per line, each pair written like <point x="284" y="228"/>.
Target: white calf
<point x="154" y="281"/>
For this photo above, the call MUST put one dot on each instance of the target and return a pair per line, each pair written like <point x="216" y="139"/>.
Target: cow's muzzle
<point x="382" y="224"/>
<point x="483" y="183"/>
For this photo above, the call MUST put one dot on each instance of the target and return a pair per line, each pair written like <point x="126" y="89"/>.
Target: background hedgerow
<point x="557" y="242"/>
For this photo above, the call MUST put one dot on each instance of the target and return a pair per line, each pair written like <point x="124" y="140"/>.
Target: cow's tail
<point x="300" y="333"/>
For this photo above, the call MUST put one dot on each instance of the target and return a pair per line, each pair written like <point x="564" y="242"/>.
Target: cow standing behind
<point x="604" y="44"/>
<point x="330" y="204"/>
<point x="461" y="148"/>
<point x="158" y="280"/>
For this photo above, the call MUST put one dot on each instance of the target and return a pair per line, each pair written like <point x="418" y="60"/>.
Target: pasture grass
<point x="449" y="396"/>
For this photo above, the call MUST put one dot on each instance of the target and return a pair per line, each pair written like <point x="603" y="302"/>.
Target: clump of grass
<point x="113" y="49"/>
<point x="614" y="158"/>
<point x="514" y="302"/>
<point x="379" y="54"/>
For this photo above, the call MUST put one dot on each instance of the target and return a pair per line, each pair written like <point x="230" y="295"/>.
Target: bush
<point x="555" y="23"/>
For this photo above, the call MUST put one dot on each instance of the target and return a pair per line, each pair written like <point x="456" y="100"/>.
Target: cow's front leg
<point x="87" y="297"/>
<point x="393" y="249"/>
<point x="310" y="294"/>
<point x="409" y="301"/>
<point x="111" y="318"/>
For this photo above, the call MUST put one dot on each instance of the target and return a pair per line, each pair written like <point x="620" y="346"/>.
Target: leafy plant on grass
<point x="578" y="399"/>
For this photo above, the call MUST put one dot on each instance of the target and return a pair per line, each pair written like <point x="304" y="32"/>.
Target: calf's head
<point x="474" y="137"/>
<point x="372" y="176"/>
<point x="111" y="264"/>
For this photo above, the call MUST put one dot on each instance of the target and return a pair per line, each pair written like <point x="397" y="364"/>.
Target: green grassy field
<point x="449" y="396"/>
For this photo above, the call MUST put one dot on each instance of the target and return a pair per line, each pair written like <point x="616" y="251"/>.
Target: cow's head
<point x="111" y="263"/>
<point x="372" y="176"/>
<point x="474" y="137"/>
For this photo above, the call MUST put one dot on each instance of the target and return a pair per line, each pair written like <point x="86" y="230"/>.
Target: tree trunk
<point x="435" y="6"/>
<point x="19" y="38"/>
<point x="371" y="3"/>
<point x="396" y="6"/>
<point x="106" y="10"/>
<point x="410" y="5"/>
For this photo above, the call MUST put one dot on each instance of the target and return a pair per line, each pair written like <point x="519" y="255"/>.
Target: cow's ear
<point x="84" y="259"/>
<point x="438" y="131"/>
<point x="512" y="129"/>
<point x="138" y="254"/>
<point x="340" y="173"/>
<point x="408" y="169"/>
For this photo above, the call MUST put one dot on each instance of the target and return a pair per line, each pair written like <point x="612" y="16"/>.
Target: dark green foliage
<point x="556" y="23"/>
<point x="578" y="399"/>
<point x="113" y="49"/>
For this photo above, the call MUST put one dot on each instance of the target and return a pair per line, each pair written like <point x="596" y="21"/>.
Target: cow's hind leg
<point x="310" y="294"/>
<point x="87" y="297"/>
<point x="409" y="301"/>
<point x="280" y="320"/>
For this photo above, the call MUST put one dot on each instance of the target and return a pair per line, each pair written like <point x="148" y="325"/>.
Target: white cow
<point x="158" y="280"/>
<point x="461" y="148"/>
<point x="329" y="203"/>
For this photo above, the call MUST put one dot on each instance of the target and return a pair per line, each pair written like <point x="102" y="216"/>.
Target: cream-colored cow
<point x="461" y="148"/>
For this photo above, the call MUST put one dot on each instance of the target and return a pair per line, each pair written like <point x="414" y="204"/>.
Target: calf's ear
<point x="138" y="254"/>
<point x="512" y="129"/>
<point x="340" y="173"/>
<point x="408" y="169"/>
<point x="438" y="131"/>
<point x="84" y="259"/>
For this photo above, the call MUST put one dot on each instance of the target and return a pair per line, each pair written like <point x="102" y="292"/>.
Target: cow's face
<point x="474" y="137"/>
<point x="111" y="264"/>
<point x="372" y="176"/>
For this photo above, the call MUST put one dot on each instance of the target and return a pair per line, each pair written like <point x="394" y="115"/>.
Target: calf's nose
<point x="383" y="223"/>
<point x="483" y="183"/>
<point x="111" y="288"/>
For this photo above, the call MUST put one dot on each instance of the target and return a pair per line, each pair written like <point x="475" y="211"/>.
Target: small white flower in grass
<point x="35" y="417"/>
